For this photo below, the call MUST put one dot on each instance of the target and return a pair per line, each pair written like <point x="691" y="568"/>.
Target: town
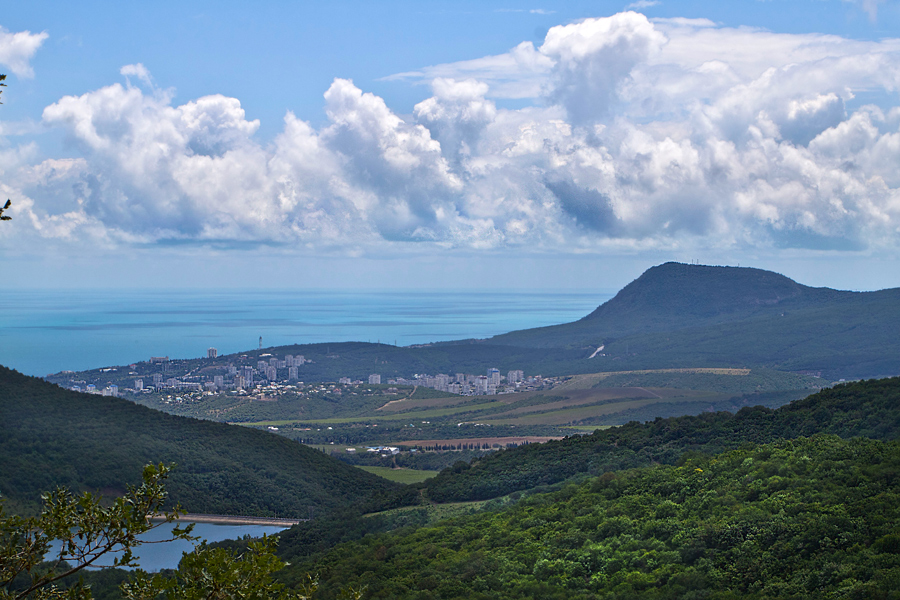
<point x="272" y="375"/>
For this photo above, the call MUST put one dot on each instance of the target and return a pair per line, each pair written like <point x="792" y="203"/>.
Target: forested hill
<point x="52" y="437"/>
<point x="677" y="315"/>
<point x="811" y="518"/>
<point x="867" y="409"/>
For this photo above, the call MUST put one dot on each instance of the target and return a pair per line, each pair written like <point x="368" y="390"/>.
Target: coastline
<point x="232" y="520"/>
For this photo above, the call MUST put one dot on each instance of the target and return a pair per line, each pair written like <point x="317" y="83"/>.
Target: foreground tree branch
<point x="86" y="531"/>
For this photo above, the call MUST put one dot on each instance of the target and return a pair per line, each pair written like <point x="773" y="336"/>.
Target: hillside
<point x="51" y="437"/>
<point x="868" y="409"/>
<point x="694" y="315"/>
<point x="672" y="316"/>
<point x="809" y="518"/>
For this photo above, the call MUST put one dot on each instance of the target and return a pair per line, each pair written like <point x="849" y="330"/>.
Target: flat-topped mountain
<point x="694" y="315"/>
<point x="672" y="316"/>
<point x="675" y="293"/>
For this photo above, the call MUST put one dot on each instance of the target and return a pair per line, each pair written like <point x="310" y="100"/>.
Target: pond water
<point x="153" y="557"/>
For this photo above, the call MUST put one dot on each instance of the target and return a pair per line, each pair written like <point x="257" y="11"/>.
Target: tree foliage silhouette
<point x="8" y="203"/>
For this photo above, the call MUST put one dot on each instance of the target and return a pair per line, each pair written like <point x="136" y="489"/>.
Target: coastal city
<point x="272" y="374"/>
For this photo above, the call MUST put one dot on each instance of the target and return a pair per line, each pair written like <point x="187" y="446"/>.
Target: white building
<point x="494" y="376"/>
<point x="138" y="385"/>
<point x="441" y="382"/>
<point x="375" y="379"/>
<point x="212" y="353"/>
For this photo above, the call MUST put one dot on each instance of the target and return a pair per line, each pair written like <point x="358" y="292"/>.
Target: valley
<point x="572" y="484"/>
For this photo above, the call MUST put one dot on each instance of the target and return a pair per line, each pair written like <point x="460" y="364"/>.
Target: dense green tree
<point x="220" y="573"/>
<point x="808" y="518"/>
<point x="88" y="534"/>
<point x="39" y="556"/>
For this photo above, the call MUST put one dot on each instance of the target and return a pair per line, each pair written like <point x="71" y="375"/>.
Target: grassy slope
<point x="399" y="475"/>
<point x="50" y="437"/>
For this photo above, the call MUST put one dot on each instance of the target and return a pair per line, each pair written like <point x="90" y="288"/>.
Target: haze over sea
<point x="47" y="331"/>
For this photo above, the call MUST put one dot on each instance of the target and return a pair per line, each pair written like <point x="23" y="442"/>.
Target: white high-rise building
<point x="271" y="373"/>
<point x="441" y="382"/>
<point x="494" y="376"/>
<point x="292" y="373"/>
<point x="212" y="353"/>
<point x="219" y="380"/>
<point x="515" y="376"/>
<point x="157" y="379"/>
<point x="138" y="385"/>
<point x="374" y="379"/>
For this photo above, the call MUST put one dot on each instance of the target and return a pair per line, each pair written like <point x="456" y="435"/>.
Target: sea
<point x="48" y="331"/>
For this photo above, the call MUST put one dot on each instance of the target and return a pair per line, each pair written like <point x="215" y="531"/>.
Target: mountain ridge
<point x="697" y="315"/>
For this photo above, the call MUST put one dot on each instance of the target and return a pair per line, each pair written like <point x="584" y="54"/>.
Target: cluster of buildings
<point x="381" y="450"/>
<point x="269" y="369"/>
<point x="90" y="388"/>
<point x="473" y="385"/>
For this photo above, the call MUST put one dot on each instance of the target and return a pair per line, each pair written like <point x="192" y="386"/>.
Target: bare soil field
<point x="490" y="441"/>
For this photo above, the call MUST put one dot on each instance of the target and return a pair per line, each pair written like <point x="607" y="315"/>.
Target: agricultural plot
<point x="581" y="404"/>
<point x="400" y="475"/>
<point x="484" y="442"/>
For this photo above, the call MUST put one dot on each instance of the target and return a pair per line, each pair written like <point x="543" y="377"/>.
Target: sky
<point x="447" y="145"/>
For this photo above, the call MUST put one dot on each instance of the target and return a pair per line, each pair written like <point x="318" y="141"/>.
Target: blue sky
<point x="448" y="144"/>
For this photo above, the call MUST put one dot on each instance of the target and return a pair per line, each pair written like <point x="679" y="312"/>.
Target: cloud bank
<point x="640" y="135"/>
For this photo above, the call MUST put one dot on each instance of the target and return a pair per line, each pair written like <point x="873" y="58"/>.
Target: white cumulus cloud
<point x="639" y="134"/>
<point x="17" y="49"/>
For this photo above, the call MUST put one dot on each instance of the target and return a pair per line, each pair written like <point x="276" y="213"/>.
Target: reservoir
<point x="153" y="557"/>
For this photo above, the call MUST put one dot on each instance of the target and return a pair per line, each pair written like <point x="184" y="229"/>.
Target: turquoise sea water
<point x="46" y="331"/>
